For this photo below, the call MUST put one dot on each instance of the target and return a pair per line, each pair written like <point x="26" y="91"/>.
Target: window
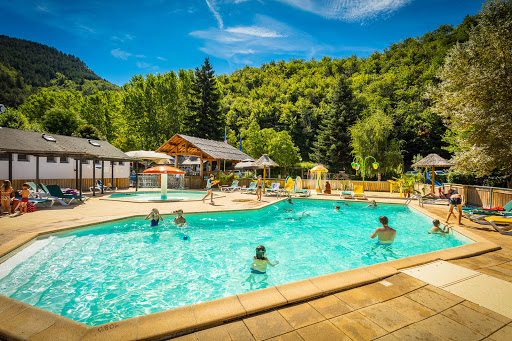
<point x="95" y="144"/>
<point x="120" y="163"/>
<point x="23" y="157"/>
<point x="49" y="138"/>
<point x="4" y="156"/>
<point x="50" y="159"/>
<point x="85" y="162"/>
<point x="64" y="159"/>
<point x="97" y="162"/>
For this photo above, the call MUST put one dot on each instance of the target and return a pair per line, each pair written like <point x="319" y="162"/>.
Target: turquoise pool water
<point x="155" y="196"/>
<point x="126" y="268"/>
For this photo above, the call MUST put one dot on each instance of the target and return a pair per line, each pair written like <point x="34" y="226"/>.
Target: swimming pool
<point x="156" y="196"/>
<point x="126" y="268"/>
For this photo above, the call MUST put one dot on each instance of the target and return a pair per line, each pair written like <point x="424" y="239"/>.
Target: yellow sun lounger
<point x="493" y="220"/>
<point x="358" y="191"/>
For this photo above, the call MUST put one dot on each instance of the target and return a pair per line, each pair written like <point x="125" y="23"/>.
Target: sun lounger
<point x="47" y="202"/>
<point x="251" y="189"/>
<point x="344" y="194"/>
<point x="274" y="189"/>
<point x="98" y="185"/>
<point x="493" y="221"/>
<point x="234" y="186"/>
<point x="289" y="185"/>
<point x="56" y="192"/>
<point x="45" y="194"/>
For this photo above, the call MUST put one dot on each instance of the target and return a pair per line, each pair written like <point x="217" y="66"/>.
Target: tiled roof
<point x="195" y="146"/>
<point x="31" y="142"/>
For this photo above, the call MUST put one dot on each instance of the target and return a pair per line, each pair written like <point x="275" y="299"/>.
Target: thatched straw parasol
<point x="264" y="161"/>
<point x="433" y="160"/>
<point x="246" y="164"/>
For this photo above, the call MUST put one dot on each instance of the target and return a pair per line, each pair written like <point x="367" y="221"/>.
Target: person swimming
<point x="385" y="234"/>
<point x="337" y="208"/>
<point x="180" y="219"/>
<point x="439" y="230"/>
<point x="260" y="262"/>
<point x="155" y="217"/>
<point x="372" y="204"/>
<point x="303" y="215"/>
<point x="289" y="200"/>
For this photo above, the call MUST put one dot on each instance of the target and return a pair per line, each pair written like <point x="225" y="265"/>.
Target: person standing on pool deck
<point x="155" y="217"/>
<point x="209" y="190"/>
<point x="385" y="233"/>
<point x="455" y="200"/>
<point x="258" y="188"/>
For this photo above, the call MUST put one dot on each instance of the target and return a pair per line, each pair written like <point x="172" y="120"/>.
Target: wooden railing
<point x="477" y="196"/>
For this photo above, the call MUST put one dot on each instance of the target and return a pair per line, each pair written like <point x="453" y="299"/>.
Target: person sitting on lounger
<point x="385" y="234"/>
<point x="155" y="217"/>
<point x="441" y="195"/>
<point x="436" y="229"/>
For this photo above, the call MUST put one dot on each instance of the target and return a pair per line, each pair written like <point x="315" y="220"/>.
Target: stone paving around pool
<point x="397" y="307"/>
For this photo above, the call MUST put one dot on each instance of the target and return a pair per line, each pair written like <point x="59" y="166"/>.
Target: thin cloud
<point x="215" y="13"/>
<point x="143" y="65"/>
<point x="140" y="56"/>
<point x="266" y="36"/>
<point x="255" y="31"/>
<point x="349" y="10"/>
<point x="161" y="58"/>
<point x="118" y="53"/>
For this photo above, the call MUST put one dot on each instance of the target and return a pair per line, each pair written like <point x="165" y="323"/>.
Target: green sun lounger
<point x="251" y="188"/>
<point x="55" y="191"/>
<point x="234" y="186"/>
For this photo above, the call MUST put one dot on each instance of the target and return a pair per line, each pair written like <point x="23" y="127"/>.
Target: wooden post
<point x="80" y="175"/>
<point x="112" y="163"/>
<point x="176" y="164"/>
<point x="218" y="166"/>
<point x="9" y="156"/>
<point x="37" y="171"/>
<point x="102" y="175"/>
<point x="93" y="177"/>
<point x="433" y="179"/>
<point x="136" y="175"/>
<point x="76" y="175"/>
<point x="201" y="171"/>
<point x="491" y="197"/>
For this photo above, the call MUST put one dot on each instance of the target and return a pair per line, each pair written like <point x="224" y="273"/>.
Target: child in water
<point x="260" y="262"/>
<point x="372" y="204"/>
<point x="180" y="219"/>
<point x="24" y="198"/>
<point x="439" y="230"/>
<point x="155" y="217"/>
<point x="337" y="208"/>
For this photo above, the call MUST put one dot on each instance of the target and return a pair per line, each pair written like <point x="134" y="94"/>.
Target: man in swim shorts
<point x="385" y="233"/>
<point x="455" y="200"/>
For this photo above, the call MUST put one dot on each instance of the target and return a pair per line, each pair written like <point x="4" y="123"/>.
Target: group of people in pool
<point x="156" y="217"/>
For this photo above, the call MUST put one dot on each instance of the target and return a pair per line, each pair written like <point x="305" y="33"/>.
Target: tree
<point x="14" y="119"/>
<point x="370" y="137"/>
<point x="89" y="132"/>
<point x="333" y="145"/>
<point x="205" y="117"/>
<point x="61" y="122"/>
<point x="475" y="94"/>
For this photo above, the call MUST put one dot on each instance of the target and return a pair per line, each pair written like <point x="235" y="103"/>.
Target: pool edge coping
<point x="195" y="317"/>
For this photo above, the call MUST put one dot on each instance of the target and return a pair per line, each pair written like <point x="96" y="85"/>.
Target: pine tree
<point x="205" y="117"/>
<point x="332" y="147"/>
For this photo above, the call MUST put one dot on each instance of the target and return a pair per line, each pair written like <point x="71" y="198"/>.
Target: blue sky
<point x="118" y="39"/>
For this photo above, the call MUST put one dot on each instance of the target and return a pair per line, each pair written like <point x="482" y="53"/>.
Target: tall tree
<point x="371" y="137"/>
<point x="205" y="118"/>
<point x="333" y="145"/>
<point x="475" y="94"/>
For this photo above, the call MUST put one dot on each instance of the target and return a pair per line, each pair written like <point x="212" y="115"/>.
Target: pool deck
<point x="372" y="302"/>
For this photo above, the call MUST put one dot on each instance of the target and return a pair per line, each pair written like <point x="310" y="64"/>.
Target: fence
<point x="374" y="186"/>
<point x="71" y="183"/>
<point x="478" y="196"/>
<point x="153" y="181"/>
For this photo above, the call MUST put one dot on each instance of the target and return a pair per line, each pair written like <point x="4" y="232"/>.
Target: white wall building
<point x="29" y="155"/>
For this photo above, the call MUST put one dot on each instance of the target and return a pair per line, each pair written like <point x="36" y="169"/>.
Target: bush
<point x="457" y="177"/>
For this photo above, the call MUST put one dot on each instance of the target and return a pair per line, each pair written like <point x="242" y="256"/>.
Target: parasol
<point x="264" y="161"/>
<point x="433" y="160"/>
<point x="164" y="170"/>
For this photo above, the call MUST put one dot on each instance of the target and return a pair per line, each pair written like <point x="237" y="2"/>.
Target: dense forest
<point x="395" y="105"/>
<point x="26" y="67"/>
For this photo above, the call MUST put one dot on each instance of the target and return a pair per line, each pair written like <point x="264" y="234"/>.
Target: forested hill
<point x="26" y="66"/>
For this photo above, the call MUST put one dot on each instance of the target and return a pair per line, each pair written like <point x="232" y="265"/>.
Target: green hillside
<point x="26" y="66"/>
